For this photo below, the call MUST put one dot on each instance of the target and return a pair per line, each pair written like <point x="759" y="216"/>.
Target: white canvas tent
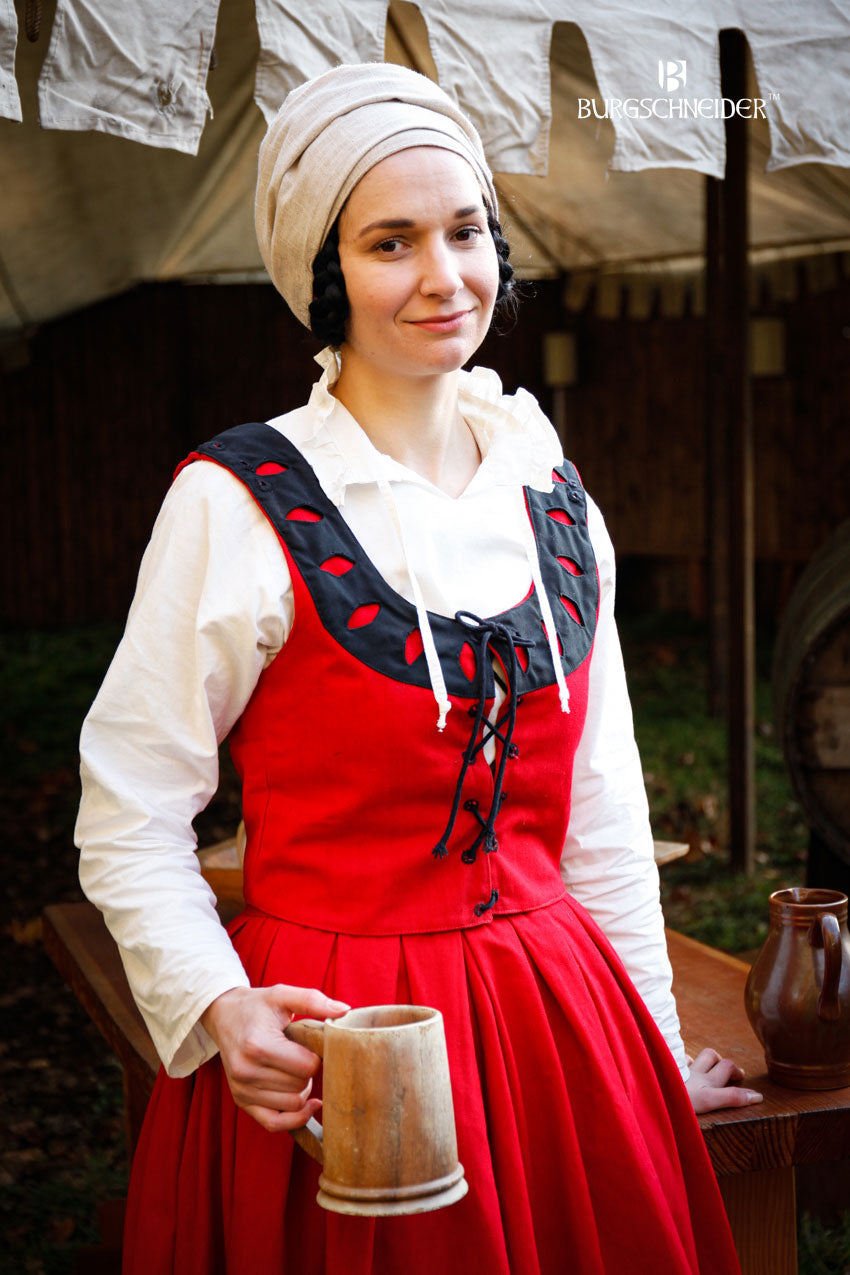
<point x="87" y="212"/>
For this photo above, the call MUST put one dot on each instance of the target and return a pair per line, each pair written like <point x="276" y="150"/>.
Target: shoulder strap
<point x="354" y="602"/>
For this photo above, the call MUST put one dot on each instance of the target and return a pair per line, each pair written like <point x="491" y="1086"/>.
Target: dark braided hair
<point x="507" y="294"/>
<point x="329" y="308"/>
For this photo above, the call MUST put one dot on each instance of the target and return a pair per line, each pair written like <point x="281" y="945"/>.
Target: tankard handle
<point x="310" y="1033"/>
<point x="826" y="934"/>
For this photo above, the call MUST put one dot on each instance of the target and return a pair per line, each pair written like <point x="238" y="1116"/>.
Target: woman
<point x="411" y="772"/>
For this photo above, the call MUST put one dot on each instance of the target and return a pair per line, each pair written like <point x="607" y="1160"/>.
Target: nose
<point x="440" y="274"/>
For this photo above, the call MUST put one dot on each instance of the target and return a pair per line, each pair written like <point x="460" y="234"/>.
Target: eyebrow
<point x="404" y="223"/>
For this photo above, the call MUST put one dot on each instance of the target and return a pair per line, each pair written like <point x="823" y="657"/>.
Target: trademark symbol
<point x="773" y="97"/>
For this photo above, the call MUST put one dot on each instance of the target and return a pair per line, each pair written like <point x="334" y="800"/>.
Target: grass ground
<point x="62" y="1140"/>
<point x="683" y="750"/>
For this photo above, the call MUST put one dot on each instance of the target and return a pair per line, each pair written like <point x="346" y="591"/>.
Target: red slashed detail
<point x="561" y="515"/>
<point x="467" y="661"/>
<point x="303" y="514"/>
<point x="568" y="565"/>
<point x="572" y="610"/>
<point x="556" y="477"/>
<point x="364" y="615"/>
<point x="413" y="647"/>
<point x="336" y="565"/>
<point x="271" y="467"/>
<point x="522" y="658"/>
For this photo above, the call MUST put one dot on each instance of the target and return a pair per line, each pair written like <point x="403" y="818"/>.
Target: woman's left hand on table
<point x="715" y="1082"/>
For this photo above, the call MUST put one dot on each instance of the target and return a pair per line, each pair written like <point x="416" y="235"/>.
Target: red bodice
<point x="347" y="783"/>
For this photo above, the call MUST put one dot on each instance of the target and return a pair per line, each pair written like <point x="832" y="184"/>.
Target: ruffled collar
<point x="518" y="444"/>
<point x="516" y="438"/>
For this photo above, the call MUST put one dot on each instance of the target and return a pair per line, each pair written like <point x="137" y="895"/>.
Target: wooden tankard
<point x="387" y="1143"/>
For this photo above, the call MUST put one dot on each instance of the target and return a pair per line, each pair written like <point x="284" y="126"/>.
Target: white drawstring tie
<point x="432" y="659"/>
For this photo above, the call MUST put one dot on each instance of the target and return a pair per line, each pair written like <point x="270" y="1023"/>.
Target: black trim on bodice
<point x="380" y="627"/>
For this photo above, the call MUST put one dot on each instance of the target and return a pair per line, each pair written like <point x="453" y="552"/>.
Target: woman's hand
<point x="716" y="1082"/>
<point x="270" y="1076"/>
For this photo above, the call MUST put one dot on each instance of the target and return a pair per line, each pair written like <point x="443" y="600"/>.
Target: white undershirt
<point x="214" y="605"/>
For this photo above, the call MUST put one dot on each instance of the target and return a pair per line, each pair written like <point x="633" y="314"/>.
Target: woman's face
<point x="420" y="265"/>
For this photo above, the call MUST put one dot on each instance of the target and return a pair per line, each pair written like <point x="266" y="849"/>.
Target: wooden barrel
<point x="811" y="690"/>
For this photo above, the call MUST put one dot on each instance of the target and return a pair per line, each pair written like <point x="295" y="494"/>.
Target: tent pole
<point x="716" y="456"/>
<point x="739" y="470"/>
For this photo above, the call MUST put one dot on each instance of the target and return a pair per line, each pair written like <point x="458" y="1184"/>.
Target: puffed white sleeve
<point x="608" y="862"/>
<point x="213" y="605"/>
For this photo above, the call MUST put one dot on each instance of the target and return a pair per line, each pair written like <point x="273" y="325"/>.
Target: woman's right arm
<point x="270" y="1077"/>
<point x="213" y="606"/>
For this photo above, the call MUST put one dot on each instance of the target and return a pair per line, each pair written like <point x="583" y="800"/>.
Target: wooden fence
<point x="112" y="398"/>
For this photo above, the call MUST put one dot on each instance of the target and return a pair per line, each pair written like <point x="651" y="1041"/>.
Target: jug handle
<point x="826" y="934"/>
<point x="310" y="1033"/>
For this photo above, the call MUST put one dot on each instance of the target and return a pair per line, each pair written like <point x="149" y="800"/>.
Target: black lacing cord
<point x="492" y="730"/>
<point x="485" y="632"/>
<point x="486" y="836"/>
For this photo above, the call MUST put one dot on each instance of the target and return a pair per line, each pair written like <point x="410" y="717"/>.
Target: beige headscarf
<point x="328" y="133"/>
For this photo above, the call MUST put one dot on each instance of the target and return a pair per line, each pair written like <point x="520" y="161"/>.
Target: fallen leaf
<point x="61" y="1229"/>
<point x="27" y="1155"/>
<point x="25" y="932"/>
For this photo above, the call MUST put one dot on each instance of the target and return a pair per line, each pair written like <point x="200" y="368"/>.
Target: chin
<point x="419" y="353"/>
<point x="441" y="354"/>
<point x="443" y="365"/>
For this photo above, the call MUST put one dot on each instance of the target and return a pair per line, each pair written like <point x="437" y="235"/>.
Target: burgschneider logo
<point x="672" y="76"/>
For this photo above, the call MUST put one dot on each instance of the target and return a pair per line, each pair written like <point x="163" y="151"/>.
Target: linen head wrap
<point x="326" y="136"/>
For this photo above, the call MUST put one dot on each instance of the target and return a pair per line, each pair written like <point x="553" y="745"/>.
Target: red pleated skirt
<point x="577" y="1137"/>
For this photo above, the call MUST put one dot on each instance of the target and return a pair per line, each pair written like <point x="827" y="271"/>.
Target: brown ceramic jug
<point x="798" y="992"/>
<point x="387" y="1140"/>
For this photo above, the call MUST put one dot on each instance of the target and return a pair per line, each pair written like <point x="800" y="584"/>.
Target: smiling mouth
<point x="441" y="322"/>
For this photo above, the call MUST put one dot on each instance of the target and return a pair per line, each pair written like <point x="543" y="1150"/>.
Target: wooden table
<point x="85" y="954"/>
<point x="753" y="1149"/>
